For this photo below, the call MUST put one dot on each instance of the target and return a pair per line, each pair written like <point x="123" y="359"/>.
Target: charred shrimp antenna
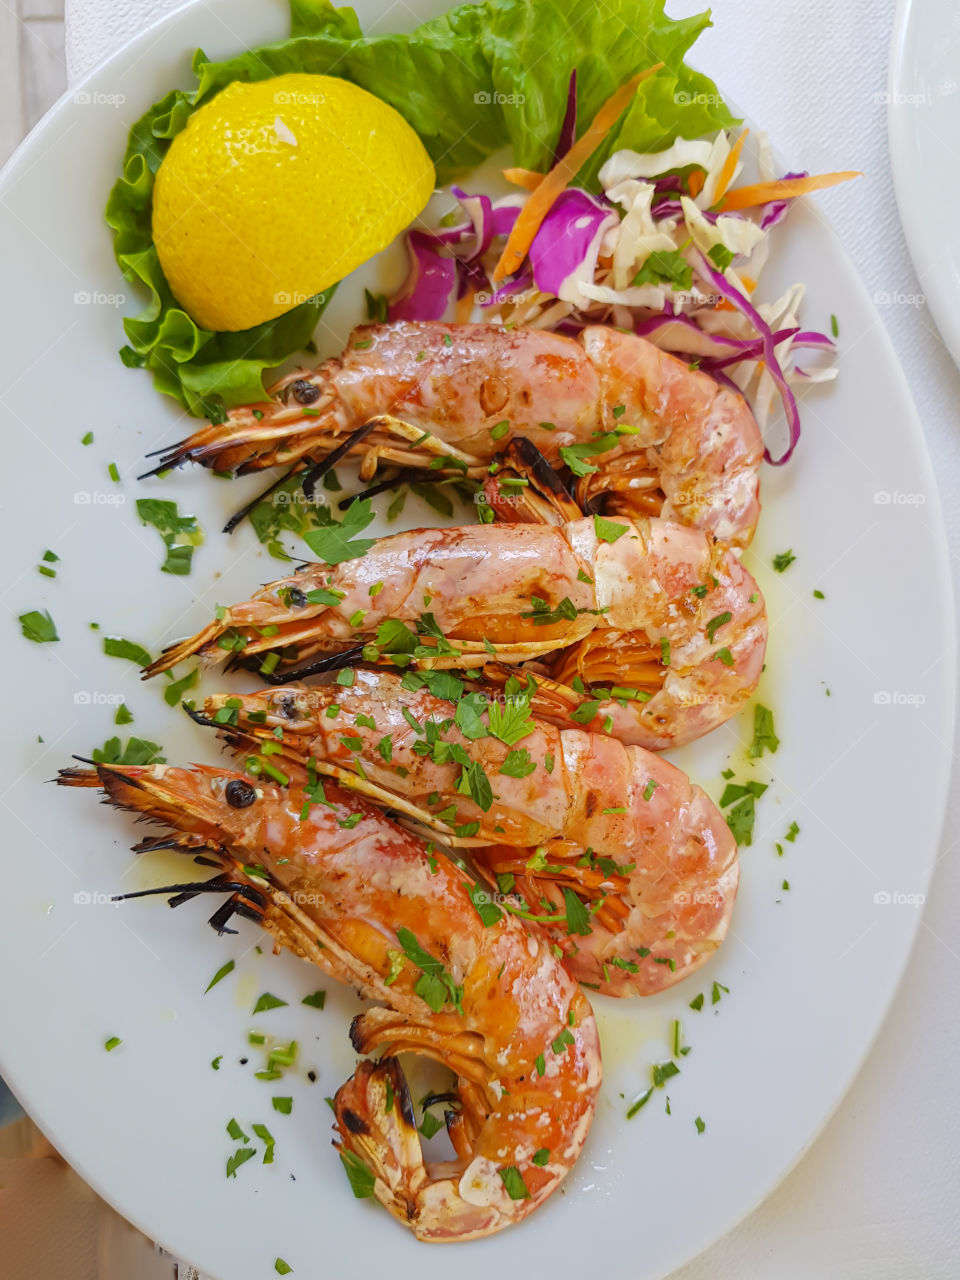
<point x="394" y="482"/>
<point x="164" y="465"/>
<point x="100" y="766"/>
<point x="198" y="717"/>
<point x="237" y="905"/>
<point x="450" y="1096"/>
<point x="239" y="516"/>
<point x="326" y="464"/>
<point x="191" y="888"/>
<point x="332" y="662"/>
<point x="167" y="448"/>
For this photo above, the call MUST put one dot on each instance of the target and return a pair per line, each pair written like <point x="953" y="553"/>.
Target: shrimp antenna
<point x="321" y="468"/>
<point x="239" y="516"/>
<point x="332" y="662"/>
<point x="198" y="717"/>
<point x="394" y="482"/>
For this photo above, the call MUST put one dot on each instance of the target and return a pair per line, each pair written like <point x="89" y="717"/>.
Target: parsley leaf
<point x="38" y="627"/>
<point x="338" y="542"/>
<point x="360" y="1176"/>
<point x="764" y="737"/>
<point x="435" y="986"/>
<point x="180" y="533"/>
<point x="117" y="647"/>
<point x="518" y="764"/>
<point x="663" y="267"/>
<point x="514" y="1183"/>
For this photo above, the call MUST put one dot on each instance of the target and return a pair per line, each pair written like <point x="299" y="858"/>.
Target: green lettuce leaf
<point x="470" y="82"/>
<point x="606" y="44"/>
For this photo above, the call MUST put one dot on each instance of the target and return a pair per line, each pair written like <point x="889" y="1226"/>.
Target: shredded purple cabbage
<point x="776" y="210"/>
<point x="568" y="238"/>
<point x="747" y="309"/>
<point x="568" y="130"/>
<point x="432" y="280"/>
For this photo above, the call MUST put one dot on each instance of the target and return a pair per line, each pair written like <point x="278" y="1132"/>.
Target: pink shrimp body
<point x="473" y="386"/>
<point x="661" y="873"/>
<point x="675" y="605"/>
<point x="348" y="889"/>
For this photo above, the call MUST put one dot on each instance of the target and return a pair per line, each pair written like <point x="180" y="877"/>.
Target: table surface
<point x="876" y="1196"/>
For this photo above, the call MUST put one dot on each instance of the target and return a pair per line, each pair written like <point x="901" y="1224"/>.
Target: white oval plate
<point x="810" y="970"/>
<point x="922" y="113"/>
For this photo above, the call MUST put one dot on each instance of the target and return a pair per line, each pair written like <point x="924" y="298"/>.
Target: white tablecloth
<point x="876" y="1197"/>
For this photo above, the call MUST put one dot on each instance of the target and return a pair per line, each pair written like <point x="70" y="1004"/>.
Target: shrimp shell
<point x="661" y="873"/>
<point x="471" y="386"/>
<point x="340" y="883"/>
<point x="661" y="594"/>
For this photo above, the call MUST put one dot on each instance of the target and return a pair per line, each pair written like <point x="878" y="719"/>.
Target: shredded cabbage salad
<point x="649" y="254"/>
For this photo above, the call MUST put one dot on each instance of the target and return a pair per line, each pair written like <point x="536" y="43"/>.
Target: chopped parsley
<point x="38" y="626"/>
<point x="783" y="560"/>
<point x="180" y="534"/>
<point x="639" y="1103"/>
<point x="117" y="647"/>
<point x="764" y="737"/>
<point x="434" y="986"/>
<point x="514" y="1183"/>
<point x="608" y="530"/>
<point x="338" y="541"/>
<point x="268" y="1001"/>
<point x="666" y="267"/>
<point x="360" y="1176"/>
<point x="138" y="751"/>
<point x="220" y="975"/>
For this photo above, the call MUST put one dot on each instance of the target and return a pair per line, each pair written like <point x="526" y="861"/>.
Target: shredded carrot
<point x="729" y="167"/>
<point x="748" y="283"/>
<point x="525" y="178"/>
<point x="562" y="174"/>
<point x="695" y="182"/>
<point x="785" y="189"/>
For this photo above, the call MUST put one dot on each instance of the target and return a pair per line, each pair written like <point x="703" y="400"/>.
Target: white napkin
<point x="875" y="1197"/>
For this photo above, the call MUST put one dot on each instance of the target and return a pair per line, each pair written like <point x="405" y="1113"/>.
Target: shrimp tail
<point x="378" y="1134"/>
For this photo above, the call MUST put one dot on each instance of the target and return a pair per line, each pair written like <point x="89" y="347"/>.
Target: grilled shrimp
<point x="667" y="622"/>
<point x="665" y="439"/>
<point x="558" y="811"/>
<point x="339" y="884"/>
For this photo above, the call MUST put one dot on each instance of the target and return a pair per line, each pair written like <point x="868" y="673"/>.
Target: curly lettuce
<point x="470" y="82"/>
